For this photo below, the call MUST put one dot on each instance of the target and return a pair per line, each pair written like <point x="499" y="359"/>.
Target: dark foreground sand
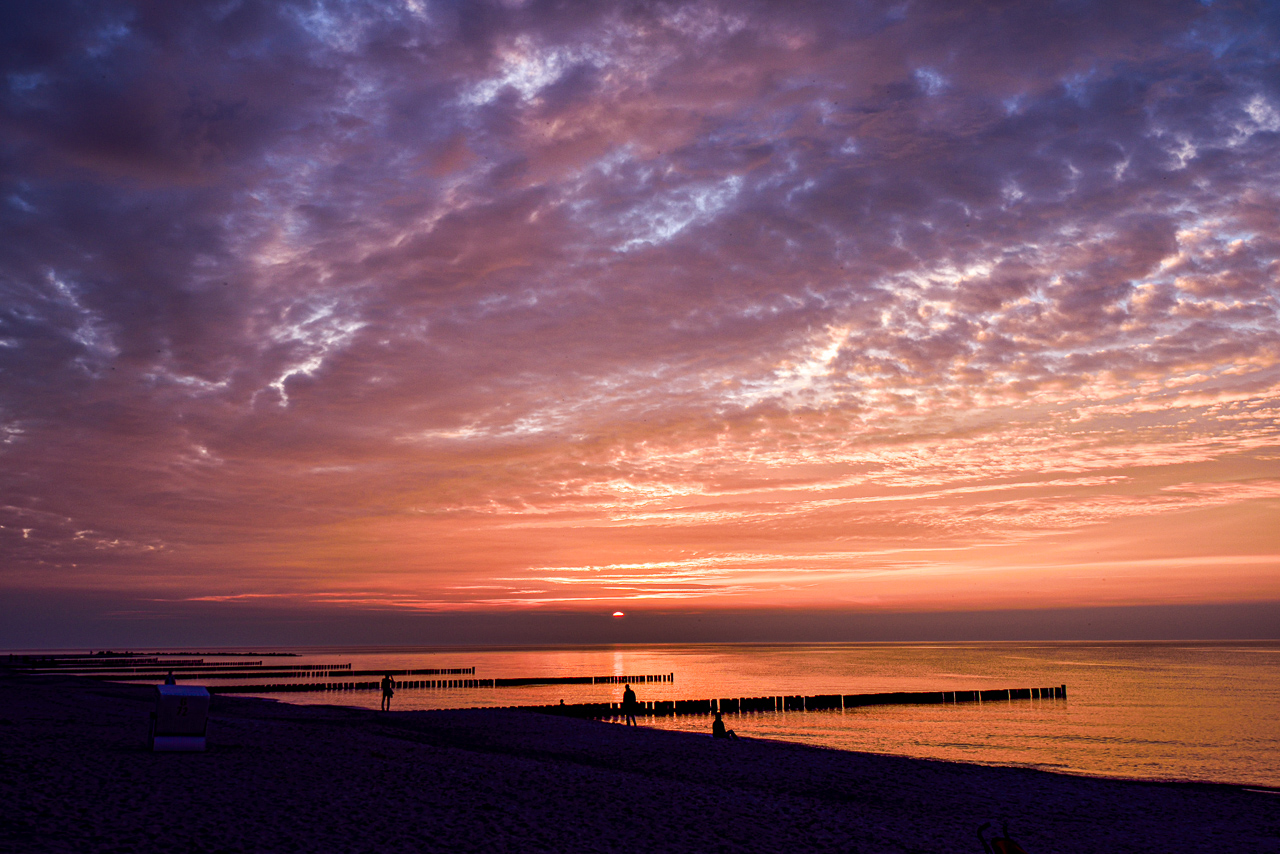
<point x="75" y="775"/>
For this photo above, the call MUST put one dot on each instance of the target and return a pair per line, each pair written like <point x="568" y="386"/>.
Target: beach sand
<point x="76" y="775"/>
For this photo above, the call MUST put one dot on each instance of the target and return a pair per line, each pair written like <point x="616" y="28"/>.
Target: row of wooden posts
<point x="517" y="682"/>
<point x="307" y="687"/>
<point x="798" y="703"/>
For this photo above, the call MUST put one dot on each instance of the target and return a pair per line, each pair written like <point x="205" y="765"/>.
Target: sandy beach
<point x="76" y="775"/>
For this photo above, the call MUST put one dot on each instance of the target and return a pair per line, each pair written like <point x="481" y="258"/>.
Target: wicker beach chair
<point x="181" y="719"/>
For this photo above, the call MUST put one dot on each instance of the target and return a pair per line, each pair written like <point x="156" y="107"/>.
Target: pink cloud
<point x="394" y="307"/>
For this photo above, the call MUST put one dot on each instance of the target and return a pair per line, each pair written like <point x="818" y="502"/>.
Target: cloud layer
<point x="913" y="305"/>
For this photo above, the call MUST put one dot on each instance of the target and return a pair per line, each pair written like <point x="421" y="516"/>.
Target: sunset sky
<point x="429" y="307"/>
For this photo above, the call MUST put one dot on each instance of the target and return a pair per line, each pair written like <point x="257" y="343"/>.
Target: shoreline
<point x="706" y="729"/>
<point x="279" y="776"/>
<point x="703" y="726"/>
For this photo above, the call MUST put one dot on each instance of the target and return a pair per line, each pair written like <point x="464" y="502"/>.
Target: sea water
<point x="1207" y="711"/>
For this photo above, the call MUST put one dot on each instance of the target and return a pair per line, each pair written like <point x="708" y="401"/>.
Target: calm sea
<point x="1206" y="711"/>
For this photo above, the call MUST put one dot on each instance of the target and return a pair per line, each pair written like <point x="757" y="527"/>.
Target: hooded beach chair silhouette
<point x="181" y="718"/>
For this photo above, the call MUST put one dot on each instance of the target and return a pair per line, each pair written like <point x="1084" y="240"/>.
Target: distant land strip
<point x="152" y="665"/>
<point x="19" y="659"/>
<point x="196" y="674"/>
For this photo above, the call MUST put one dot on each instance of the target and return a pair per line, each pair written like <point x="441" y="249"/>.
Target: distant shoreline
<point x="329" y="778"/>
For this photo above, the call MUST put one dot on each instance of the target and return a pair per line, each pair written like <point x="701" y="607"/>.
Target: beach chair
<point x="181" y="718"/>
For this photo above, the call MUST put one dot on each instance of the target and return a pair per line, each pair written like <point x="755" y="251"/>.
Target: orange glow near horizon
<point x="1009" y="515"/>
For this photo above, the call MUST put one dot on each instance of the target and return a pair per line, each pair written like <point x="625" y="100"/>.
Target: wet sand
<point x="76" y="775"/>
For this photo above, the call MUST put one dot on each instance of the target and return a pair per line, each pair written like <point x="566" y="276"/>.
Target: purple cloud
<point x="466" y="290"/>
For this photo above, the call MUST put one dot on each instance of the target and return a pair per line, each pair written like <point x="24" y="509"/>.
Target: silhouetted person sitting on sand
<point x="718" y="729"/>
<point x="1000" y="844"/>
<point x="170" y="679"/>
<point x="629" y="706"/>
<point x="388" y="688"/>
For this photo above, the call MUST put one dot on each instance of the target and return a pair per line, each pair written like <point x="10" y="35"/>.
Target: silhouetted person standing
<point x="388" y="689"/>
<point x="629" y="706"/>
<point x="718" y="729"/>
<point x="170" y="679"/>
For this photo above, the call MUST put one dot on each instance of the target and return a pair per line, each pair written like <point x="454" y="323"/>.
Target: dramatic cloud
<point x="489" y="305"/>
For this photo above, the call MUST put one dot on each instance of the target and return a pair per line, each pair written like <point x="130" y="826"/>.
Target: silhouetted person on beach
<point x="718" y="729"/>
<point x="388" y="689"/>
<point x="1000" y="844"/>
<point x="170" y="679"/>
<point x="629" y="706"/>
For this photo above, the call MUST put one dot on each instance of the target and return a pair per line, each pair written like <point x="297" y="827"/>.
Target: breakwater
<point x="429" y="684"/>
<point x="797" y="703"/>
